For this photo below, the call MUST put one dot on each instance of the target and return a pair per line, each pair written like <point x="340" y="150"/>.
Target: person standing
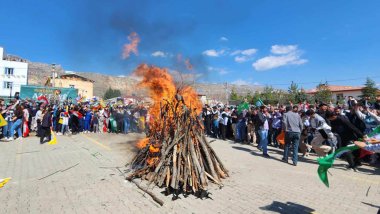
<point x="17" y="122"/>
<point x="276" y="126"/>
<point x="87" y="121"/>
<point x="65" y="123"/>
<point x="292" y="125"/>
<point x="39" y="116"/>
<point x="8" y="116"/>
<point x="46" y="124"/>
<point x="263" y="117"/>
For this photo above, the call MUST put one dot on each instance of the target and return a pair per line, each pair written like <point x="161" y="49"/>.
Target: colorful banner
<point x="51" y="93"/>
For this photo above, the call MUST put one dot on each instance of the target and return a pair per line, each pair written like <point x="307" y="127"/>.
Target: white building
<point x="13" y="74"/>
<point x="339" y="92"/>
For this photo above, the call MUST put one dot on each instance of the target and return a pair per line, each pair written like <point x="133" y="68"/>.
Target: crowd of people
<point x="24" y="116"/>
<point x="320" y="128"/>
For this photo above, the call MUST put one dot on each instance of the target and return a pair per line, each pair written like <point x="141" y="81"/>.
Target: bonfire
<point x="176" y="154"/>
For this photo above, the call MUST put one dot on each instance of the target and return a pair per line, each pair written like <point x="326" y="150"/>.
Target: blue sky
<point x="255" y="42"/>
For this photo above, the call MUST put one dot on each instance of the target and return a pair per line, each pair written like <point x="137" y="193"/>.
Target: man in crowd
<point x="292" y="125"/>
<point x="263" y="117"/>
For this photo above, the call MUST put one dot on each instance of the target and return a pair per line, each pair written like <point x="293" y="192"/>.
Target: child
<point x="95" y="123"/>
<point x="65" y="122"/>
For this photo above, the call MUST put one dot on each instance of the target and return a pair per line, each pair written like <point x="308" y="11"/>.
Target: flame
<point x="162" y="89"/>
<point x="153" y="149"/>
<point x="142" y="143"/>
<point x="132" y="46"/>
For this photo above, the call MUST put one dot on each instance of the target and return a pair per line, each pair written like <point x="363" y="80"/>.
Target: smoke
<point x="132" y="46"/>
<point x="99" y="30"/>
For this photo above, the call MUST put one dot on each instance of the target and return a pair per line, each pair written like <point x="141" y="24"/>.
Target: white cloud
<point x="285" y="55"/>
<point x="246" y="52"/>
<point x="221" y="71"/>
<point x="283" y="49"/>
<point x="223" y="39"/>
<point x="249" y="52"/>
<point x="240" y="82"/>
<point x="244" y="55"/>
<point x="241" y="59"/>
<point x="159" y="54"/>
<point x="213" y="53"/>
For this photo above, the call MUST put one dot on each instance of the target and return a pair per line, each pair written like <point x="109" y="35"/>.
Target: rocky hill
<point x="38" y="73"/>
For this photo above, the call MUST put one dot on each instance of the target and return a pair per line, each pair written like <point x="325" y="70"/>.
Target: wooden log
<point x="198" y="167"/>
<point x="208" y="158"/>
<point x="174" y="167"/>
<point x="153" y="196"/>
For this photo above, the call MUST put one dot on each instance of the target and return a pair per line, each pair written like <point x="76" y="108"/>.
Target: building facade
<point x="341" y="92"/>
<point x="13" y="74"/>
<point x="85" y="86"/>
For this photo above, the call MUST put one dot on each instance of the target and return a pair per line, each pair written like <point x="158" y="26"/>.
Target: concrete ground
<point x="85" y="174"/>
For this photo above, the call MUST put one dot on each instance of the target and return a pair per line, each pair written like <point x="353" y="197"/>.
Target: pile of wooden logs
<point x="176" y="154"/>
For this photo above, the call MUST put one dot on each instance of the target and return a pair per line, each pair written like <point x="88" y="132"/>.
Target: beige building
<point x="85" y="86"/>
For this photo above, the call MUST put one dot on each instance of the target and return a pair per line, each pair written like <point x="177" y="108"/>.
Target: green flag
<point x="328" y="161"/>
<point x="243" y="106"/>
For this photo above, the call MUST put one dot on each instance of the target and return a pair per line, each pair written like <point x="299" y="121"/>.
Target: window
<point x="8" y="71"/>
<point x="71" y="86"/>
<point x="7" y="85"/>
<point x="339" y="97"/>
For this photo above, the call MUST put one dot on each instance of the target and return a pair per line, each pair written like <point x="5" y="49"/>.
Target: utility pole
<point x="53" y="72"/>
<point x="10" y="93"/>
<point x="226" y="88"/>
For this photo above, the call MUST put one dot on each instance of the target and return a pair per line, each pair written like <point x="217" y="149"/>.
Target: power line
<point x="329" y="81"/>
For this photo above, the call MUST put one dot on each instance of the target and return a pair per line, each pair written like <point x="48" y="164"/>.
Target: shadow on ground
<point x="288" y="207"/>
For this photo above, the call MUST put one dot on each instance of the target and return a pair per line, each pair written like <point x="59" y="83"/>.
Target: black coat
<point x="46" y="120"/>
<point x="346" y="130"/>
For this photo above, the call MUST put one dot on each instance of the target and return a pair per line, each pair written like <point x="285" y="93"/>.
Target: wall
<point x="19" y="77"/>
<point x="355" y="94"/>
<point x="85" y="88"/>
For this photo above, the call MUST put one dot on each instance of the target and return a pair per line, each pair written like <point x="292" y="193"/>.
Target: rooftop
<point x="338" y="88"/>
<point x="75" y="76"/>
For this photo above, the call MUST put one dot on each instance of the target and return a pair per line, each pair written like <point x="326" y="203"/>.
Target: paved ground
<point x="81" y="174"/>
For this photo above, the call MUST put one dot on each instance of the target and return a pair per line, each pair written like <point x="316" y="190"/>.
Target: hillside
<point x="38" y="73"/>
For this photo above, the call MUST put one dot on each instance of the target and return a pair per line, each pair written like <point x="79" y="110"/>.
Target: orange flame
<point x="132" y="46"/>
<point x="162" y="89"/>
<point x="142" y="143"/>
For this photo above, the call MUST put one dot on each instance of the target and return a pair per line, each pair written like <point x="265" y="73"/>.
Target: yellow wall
<point x="85" y="88"/>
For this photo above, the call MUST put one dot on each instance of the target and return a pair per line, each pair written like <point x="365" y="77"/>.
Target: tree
<point x="268" y="95"/>
<point x="370" y="89"/>
<point x="302" y="96"/>
<point x="323" y="93"/>
<point x="249" y="97"/>
<point x="293" y="92"/>
<point x="234" y="95"/>
<point x="111" y="93"/>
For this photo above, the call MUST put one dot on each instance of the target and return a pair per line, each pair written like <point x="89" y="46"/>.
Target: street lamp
<point x="53" y="72"/>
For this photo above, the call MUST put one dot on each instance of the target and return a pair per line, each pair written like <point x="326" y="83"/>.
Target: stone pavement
<point x="84" y="174"/>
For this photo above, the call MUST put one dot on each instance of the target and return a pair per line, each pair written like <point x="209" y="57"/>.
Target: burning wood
<point x="176" y="153"/>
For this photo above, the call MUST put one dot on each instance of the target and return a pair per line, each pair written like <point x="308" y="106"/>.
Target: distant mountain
<point x="38" y="73"/>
